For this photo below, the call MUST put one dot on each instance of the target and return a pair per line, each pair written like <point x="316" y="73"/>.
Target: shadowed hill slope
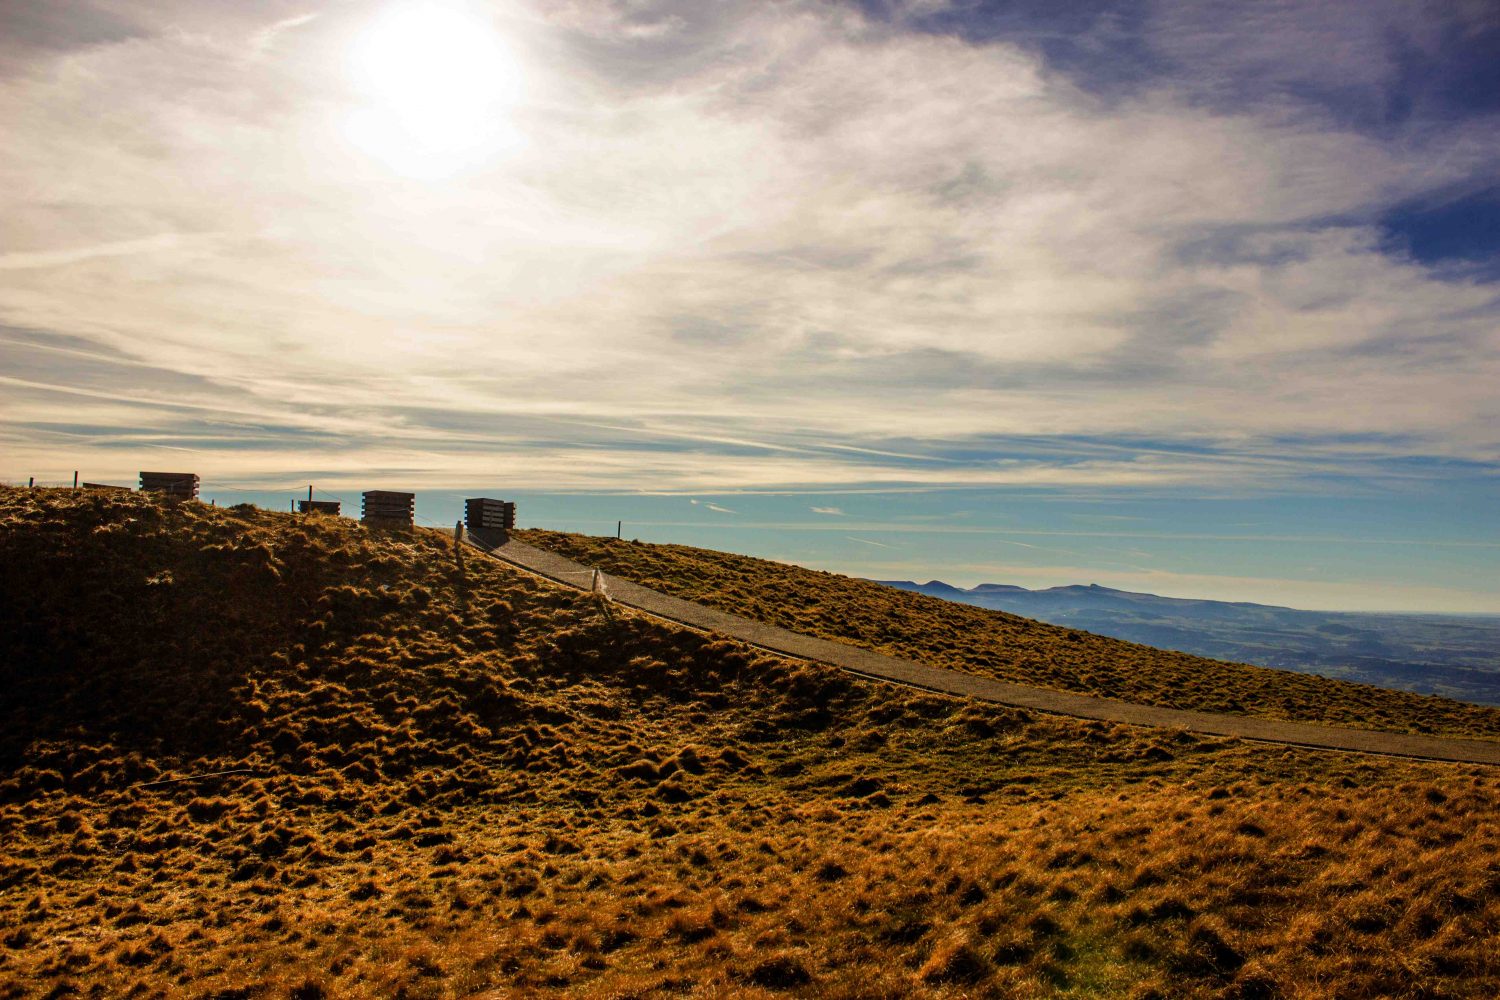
<point x="251" y="755"/>
<point x="1007" y="647"/>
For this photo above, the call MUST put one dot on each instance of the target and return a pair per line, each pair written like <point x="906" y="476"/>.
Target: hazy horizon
<point x="1172" y="546"/>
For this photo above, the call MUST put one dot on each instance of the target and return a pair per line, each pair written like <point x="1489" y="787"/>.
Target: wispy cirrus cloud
<point x="754" y="245"/>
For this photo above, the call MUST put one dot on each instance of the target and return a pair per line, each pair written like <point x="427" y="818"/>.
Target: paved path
<point x="891" y="668"/>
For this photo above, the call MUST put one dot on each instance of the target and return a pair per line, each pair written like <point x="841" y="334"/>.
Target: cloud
<point x="835" y="511"/>
<point x="743" y="247"/>
<point x="60" y="258"/>
<point x="1370" y="63"/>
<point x="712" y="506"/>
<point x="266" y="37"/>
<point x="60" y="26"/>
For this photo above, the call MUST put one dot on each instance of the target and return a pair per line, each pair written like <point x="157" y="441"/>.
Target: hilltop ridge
<point x="245" y="754"/>
<point x="1008" y="647"/>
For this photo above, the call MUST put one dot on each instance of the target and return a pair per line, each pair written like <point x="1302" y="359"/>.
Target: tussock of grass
<point x="448" y="781"/>
<point x="1008" y="647"/>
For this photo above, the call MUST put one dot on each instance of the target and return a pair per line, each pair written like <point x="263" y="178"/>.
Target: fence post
<point x="75" y="479"/>
<point x="619" y="529"/>
<point x="30" y="481"/>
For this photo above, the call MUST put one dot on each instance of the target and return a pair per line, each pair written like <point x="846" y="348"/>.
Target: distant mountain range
<point x="1453" y="655"/>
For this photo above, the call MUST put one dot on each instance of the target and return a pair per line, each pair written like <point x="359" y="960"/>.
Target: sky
<point x="1201" y="298"/>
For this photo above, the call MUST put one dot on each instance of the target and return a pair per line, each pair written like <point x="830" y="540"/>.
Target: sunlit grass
<point x="458" y="779"/>
<point x="1008" y="647"/>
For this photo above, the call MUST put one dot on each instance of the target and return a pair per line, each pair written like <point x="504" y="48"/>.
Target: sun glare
<point x="440" y="85"/>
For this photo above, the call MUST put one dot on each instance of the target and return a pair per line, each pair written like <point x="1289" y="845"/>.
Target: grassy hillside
<point x="248" y="755"/>
<point x="996" y="644"/>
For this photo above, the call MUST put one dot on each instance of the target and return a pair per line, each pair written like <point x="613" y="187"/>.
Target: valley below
<point x="1453" y="655"/>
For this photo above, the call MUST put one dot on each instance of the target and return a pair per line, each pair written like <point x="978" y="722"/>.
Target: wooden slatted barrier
<point x="319" y="507"/>
<point x="482" y="512"/>
<point x="388" y="509"/>
<point x="175" y="485"/>
<point x="488" y="520"/>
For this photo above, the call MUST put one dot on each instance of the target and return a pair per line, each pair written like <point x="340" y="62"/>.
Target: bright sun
<point x="440" y="84"/>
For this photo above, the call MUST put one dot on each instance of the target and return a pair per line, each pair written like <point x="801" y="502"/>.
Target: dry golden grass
<point x="460" y="781"/>
<point x="1008" y="647"/>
